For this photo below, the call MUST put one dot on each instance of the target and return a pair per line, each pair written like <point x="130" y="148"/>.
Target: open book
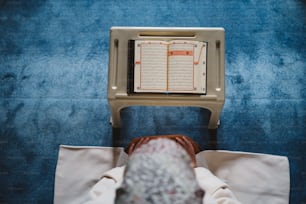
<point x="177" y="66"/>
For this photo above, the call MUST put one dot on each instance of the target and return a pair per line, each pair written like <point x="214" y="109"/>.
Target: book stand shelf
<point x="118" y="96"/>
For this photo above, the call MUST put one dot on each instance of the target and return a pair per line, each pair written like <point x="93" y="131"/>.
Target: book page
<point x="180" y="66"/>
<point x="187" y="66"/>
<point x="150" y="70"/>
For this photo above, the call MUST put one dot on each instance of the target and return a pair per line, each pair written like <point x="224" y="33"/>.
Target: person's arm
<point x="105" y="190"/>
<point x="215" y="189"/>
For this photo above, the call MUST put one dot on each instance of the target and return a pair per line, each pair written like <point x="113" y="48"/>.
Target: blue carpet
<point x="53" y="84"/>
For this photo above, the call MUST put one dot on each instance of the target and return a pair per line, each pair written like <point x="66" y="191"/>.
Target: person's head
<point x="159" y="172"/>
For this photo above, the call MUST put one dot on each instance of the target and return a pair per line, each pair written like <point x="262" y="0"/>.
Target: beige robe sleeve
<point x="105" y="190"/>
<point x="216" y="191"/>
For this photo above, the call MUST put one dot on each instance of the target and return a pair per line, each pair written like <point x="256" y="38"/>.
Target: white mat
<point x="254" y="178"/>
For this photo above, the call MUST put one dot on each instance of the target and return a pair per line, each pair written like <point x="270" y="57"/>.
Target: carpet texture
<point x="53" y="84"/>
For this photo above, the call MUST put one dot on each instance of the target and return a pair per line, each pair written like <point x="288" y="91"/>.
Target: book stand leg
<point x="115" y="118"/>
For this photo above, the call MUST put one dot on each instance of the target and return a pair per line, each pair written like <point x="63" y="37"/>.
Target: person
<point x="161" y="170"/>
